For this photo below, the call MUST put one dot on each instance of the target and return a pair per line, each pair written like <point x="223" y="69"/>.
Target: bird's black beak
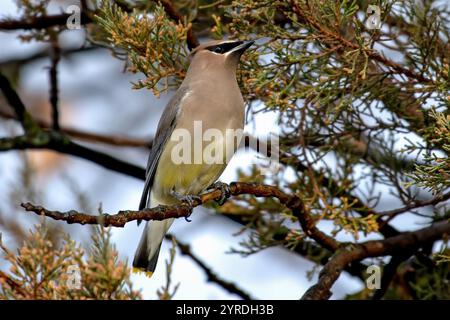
<point x="243" y="46"/>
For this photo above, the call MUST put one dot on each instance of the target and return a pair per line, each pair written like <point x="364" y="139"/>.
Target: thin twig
<point x="54" y="90"/>
<point x="211" y="275"/>
<point x="16" y="104"/>
<point x="44" y="53"/>
<point x="391" y="214"/>
<point x="172" y="12"/>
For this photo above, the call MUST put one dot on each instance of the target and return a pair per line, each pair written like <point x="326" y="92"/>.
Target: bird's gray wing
<point x="166" y="126"/>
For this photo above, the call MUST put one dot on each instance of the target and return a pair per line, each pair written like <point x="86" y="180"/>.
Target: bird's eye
<point x="218" y="49"/>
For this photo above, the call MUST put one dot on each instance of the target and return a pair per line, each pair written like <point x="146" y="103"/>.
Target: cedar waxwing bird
<point x="209" y="98"/>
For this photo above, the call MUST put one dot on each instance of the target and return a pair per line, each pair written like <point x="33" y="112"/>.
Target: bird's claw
<point x="224" y="188"/>
<point x="189" y="199"/>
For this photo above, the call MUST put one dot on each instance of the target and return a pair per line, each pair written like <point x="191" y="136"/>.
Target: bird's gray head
<point x="219" y="54"/>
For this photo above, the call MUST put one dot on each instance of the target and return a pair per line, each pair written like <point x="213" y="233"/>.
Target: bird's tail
<point x="147" y="253"/>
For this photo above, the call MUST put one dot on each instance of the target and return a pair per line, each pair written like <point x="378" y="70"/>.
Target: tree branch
<point x="116" y="220"/>
<point x="37" y="138"/>
<point x="392" y="246"/>
<point x="90" y="136"/>
<point x="16" y="104"/>
<point x="389" y="272"/>
<point x="122" y="217"/>
<point x="53" y="72"/>
<point x="41" y="22"/>
<point x="294" y="203"/>
<point x="391" y="214"/>
<point x="61" y="143"/>
<point x="211" y="275"/>
<point x="343" y="256"/>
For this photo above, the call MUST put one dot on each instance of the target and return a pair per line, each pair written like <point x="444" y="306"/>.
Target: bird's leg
<point x="224" y="188"/>
<point x="189" y="199"/>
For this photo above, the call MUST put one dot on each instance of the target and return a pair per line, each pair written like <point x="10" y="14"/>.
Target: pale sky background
<point x="97" y="97"/>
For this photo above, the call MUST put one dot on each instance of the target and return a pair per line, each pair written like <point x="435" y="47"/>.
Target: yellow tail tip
<point x="148" y="274"/>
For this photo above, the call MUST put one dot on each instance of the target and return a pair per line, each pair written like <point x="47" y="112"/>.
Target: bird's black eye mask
<point x="224" y="47"/>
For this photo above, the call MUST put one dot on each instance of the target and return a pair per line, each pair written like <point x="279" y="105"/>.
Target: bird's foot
<point x="224" y="188"/>
<point x="189" y="199"/>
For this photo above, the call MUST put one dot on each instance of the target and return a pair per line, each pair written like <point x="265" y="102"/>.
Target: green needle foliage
<point x="43" y="269"/>
<point x="435" y="173"/>
<point x="151" y="43"/>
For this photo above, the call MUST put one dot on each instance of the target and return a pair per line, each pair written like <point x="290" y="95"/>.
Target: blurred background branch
<point x="211" y="275"/>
